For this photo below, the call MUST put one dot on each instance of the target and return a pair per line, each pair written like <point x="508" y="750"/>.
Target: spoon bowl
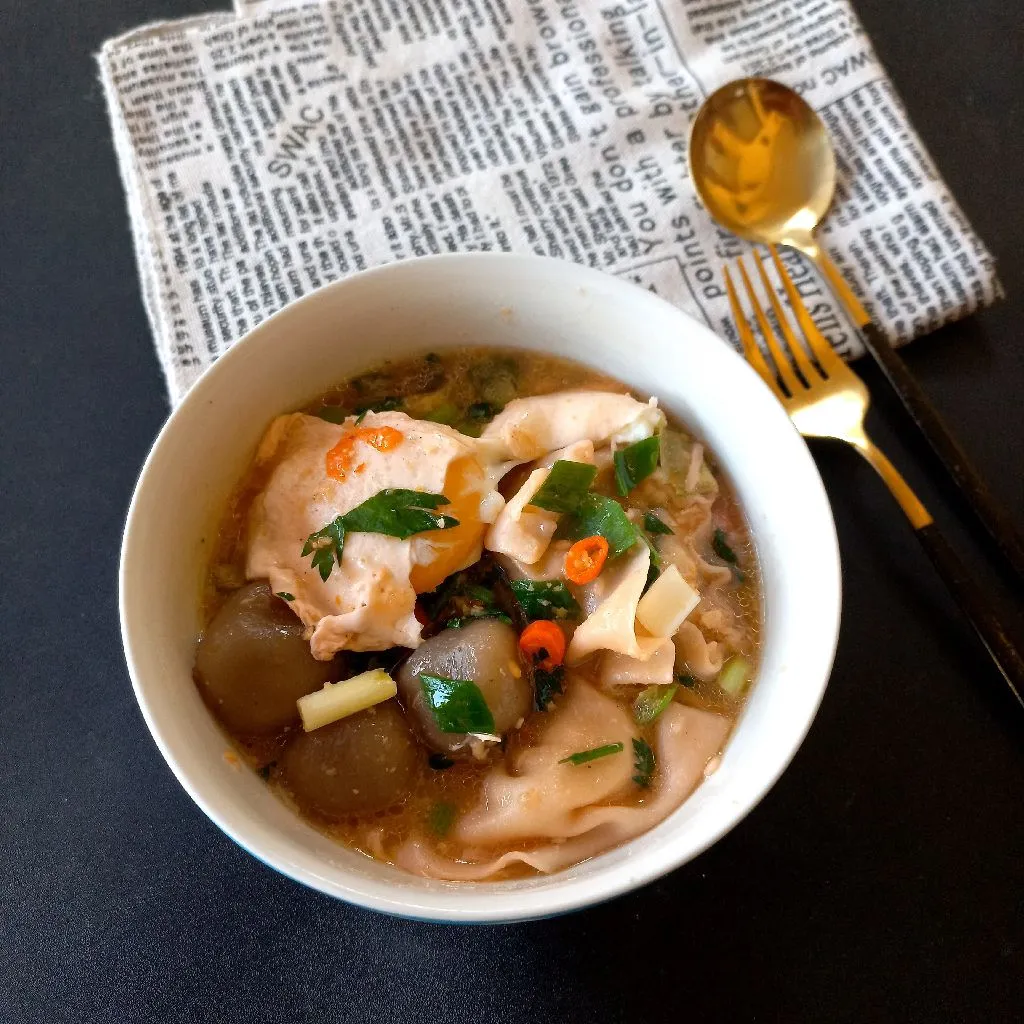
<point x="762" y="162"/>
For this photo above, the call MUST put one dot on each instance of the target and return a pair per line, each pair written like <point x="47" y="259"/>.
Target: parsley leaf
<point x="583" y="756"/>
<point x="483" y="412"/>
<point x="546" y="686"/>
<point x="643" y="763"/>
<point x="566" y="486"/>
<point x="457" y="704"/>
<point x="600" y="515"/>
<point x="394" y="511"/>
<point x="653" y="524"/>
<point x="688" y="681"/>
<point x="721" y="546"/>
<point x="326" y="547"/>
<point x="439" y="762"/>
<point x="284" y="595"/>
<point x="398" y="512"/>
<point x="652" y="702"/>
<point x="545" y="599"/>
<point x="635" y="463"/>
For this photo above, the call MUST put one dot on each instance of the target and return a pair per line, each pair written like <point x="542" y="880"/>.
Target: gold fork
<point x="825" y="398"/>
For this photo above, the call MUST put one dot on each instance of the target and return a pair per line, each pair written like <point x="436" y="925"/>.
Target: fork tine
<point x="782" y="364"/>
<point x="823" y="351"/>
<point x="751" y="351"/>
<point x="796" y="350"/>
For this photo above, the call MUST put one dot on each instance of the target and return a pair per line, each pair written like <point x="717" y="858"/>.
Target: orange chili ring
<point x="543" y="640"/>
<point x="585" y="559"/>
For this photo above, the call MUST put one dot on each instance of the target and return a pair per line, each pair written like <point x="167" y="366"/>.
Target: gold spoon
<point x="763" y="165"/>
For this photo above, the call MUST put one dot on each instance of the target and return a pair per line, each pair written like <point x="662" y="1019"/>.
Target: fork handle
<point x="973" y="602"/>
<point x="928" y="421"/>
<point x="976" y="606"/>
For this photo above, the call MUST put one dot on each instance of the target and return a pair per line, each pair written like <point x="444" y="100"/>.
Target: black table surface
<point x="881" y="879"/>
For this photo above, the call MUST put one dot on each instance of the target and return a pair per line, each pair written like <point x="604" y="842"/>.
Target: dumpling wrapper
<point x="367" y="603"/>
<point x="612" y="625"/>
<point x="573" y="806"/>
<point x="524" y="533"/>
<point x="529" y="428"/>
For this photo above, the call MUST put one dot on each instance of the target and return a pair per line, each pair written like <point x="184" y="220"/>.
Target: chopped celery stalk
<point x="735" y="676"/>
<point x="667" y="602"/>
<point x="339" y="700"/>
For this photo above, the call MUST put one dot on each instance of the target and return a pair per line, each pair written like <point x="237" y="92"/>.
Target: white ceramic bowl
<point x="430" y="304"/>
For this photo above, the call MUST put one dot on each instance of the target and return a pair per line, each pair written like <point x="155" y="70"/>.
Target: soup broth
<point x="649" y="708"/>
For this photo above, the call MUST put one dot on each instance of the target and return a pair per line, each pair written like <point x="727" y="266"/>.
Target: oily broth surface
<point x="419" y="386"/>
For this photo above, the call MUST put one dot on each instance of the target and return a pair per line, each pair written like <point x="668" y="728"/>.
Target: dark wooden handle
<point x="976" y="606"/>
<point x="989" y="512"/>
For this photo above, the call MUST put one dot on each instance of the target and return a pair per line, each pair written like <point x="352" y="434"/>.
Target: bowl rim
<point x="576" y="893"/>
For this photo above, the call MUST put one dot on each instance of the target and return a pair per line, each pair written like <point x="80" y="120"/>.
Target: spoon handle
<point x="973" y="487"/>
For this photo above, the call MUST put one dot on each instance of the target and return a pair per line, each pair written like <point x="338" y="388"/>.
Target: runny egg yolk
<point x="339" y="460"/>
<point x="452" y="549"/>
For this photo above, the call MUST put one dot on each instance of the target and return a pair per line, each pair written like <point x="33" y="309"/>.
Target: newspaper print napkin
<point x="272" y="149"/>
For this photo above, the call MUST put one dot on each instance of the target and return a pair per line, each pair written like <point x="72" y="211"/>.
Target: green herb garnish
<point x="483" y="412"/>
<point x="361" y="417"/>
<point x="566" y="486"/>
<point x="266" y="769"/>
<point x="496" y="379"/>
<point x="387" y="404"/>
<point x="546" y="686"/>
<point x="439" y="762"/>
<point x="643" y="763"/>
<point x="721" y="546"/>
<point x="326" y="547"/>
<point x="583" y="756"/>
<point x="457" y="704"/>
<point x="688" y="681"/>
<point x="458" y="621"/>
<point x="545" y="599"/>
<point x="635" y="463"/>
<point x="446" y="413"/>
<point x="652" y="524"/>
<point x="600" y="515"/>
<point x="395" y="512"/>
<point x="284" y="595"/>
<point x="652" y="702"/>
<point x="333" y="413"/>
<point x="441" y="818"/>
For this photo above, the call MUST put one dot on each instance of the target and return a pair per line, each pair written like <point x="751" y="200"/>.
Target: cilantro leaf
<point x="643" y="763"/>
<point x="545" y="599"/>
<point x="457" y="704"/>
<point x="583" y="756"/>
<point x="566" y="486"/>
<point x="546" y="686"/>
<point x="326" y="547"/>
<point x="653" y="524"/>
<point x="600" y="515"/>
<point x="635" y="463"/>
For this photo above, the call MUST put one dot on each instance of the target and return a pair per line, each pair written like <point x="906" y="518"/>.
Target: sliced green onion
<point x="583" y="756"/>
<point x="652" y="702"/>
<point x="635" y="463"/>
<point x="546" y="686"/>
<point x="441" y="818"/>
<point x="735" y="675"/>
<point x="457" y="704"/>
<point x="566" y="486"/>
